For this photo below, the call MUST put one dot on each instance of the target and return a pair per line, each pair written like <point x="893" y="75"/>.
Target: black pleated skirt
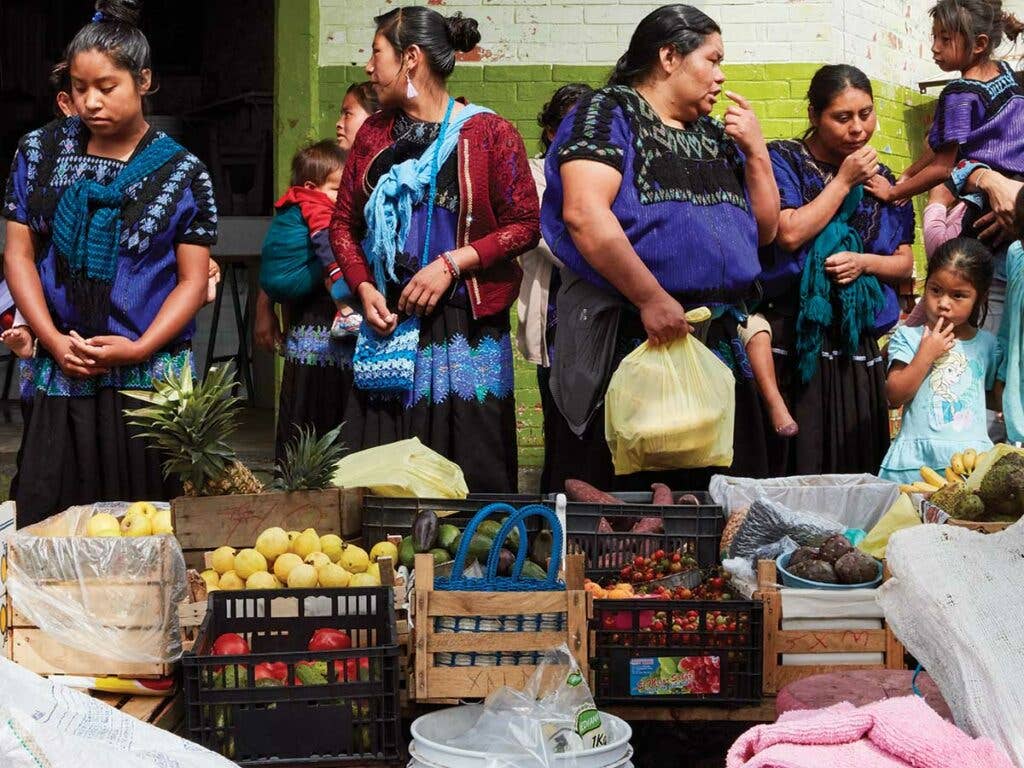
<point x="842" y="410"/>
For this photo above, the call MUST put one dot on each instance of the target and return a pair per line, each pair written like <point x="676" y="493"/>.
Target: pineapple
<point x="189" y="422"/>
<point x="309" y="463"/>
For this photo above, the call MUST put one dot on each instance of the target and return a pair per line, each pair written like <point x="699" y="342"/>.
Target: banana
<point x="952" y="476"/>
<point x="970" y="460"/>
<point x="957" y="464"/>
<point x="931" y="477"/>
<point x="921" y="487"/>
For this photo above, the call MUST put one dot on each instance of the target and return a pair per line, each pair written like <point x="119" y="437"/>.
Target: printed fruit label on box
<point x="675" y="676"/>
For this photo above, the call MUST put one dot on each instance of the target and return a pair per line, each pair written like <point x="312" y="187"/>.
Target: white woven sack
<point x="956" y="600"/>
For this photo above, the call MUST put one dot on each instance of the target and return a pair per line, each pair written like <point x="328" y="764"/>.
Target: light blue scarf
<point x="388" y="212"/>
<point x="1011" y="333"/>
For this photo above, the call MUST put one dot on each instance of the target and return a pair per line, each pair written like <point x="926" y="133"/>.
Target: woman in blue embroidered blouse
<point x="108" y="234"/>
<point x="835" y="393"/>
<point x="651" y="201"/>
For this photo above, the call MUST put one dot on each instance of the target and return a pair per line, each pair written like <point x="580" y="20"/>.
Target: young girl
<point x="941" y="371"/>
<point x="109" y="229"/>
<point x="979" y="114"/>
<point x="359" y="103"/>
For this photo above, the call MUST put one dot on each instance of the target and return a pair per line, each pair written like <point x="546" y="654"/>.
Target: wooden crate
<point x="444" y="684"/>
<point x="980" y="527"/>
<point x="132" y="609"/>
<point x="778" y="641"/>
<point x="203" y="523"/>
<point x="166" y="712"/>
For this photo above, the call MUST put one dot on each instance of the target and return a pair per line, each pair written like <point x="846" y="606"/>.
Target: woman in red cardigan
<point x="474" y="211"/>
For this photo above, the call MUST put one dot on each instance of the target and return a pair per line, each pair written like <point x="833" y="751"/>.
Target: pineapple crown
<point x="189" y="422"/>
<point x="309" y="463"/>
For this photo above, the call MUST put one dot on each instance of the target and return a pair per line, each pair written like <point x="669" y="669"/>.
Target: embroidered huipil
<point x="883" y="227"/>
<point x="172" y="206"/>
<point x="682" y="203"/>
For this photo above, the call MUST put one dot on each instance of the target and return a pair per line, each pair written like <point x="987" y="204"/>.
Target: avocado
<point x="441" y="556"/>
<point x="407" y="553"/>
<point x="479" y="547"/>
<point x="446" y="536"/>
<point x="490" y="528"/>
<point x="533" y="571"/>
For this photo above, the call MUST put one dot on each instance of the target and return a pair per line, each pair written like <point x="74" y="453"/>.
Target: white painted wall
<point x="889" y="39"/>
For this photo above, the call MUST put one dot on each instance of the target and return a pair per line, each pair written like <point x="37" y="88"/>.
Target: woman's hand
<point x="107" y="351"/>
<point x="742" y="125"/>
<point x="73" y="364"/>
<point x="425" y="289"/>
<point x="844" y="267"/>
<point x="664" y="319"/>
<point x="266" y="328"/>
<point x="936" y="341"/>
<point x="998" y="224"/>
<point x="860" y="167"/>
<point x="375" y="309"/>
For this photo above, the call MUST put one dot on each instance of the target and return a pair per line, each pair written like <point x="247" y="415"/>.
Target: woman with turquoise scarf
<point x="828" y="282"/>
<point x="109" y="224"/>
<point x="435" y="203"/>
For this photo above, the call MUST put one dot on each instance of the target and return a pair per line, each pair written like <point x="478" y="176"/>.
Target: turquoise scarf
<point x="388" y="212"/>
<point x="87" y="224"/>
<point x="859" y="302"/>
<point x="1011" y="333"/>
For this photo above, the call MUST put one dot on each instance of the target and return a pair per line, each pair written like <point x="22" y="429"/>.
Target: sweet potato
<point x="603" y="526"/>
<point x="688" y="499"/>
<point x="577" y="490"/>
<point x="648" y="525"/>
<point x="661" y="495"/>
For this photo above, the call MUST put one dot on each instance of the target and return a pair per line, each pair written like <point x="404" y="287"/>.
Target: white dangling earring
<point x="410" y="89"/>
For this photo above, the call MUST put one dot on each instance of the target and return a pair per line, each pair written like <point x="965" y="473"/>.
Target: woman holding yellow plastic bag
<point x="653" y="206"/>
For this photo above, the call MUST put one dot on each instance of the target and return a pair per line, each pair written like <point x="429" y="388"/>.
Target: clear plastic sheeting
<point x="548" y="724"/>
<point x="855" y="501"/>
<point x="767" y="523"/>
<point x="116" y="597"/>
<point x="46" y="724"/>
<point x="955" y="601"/>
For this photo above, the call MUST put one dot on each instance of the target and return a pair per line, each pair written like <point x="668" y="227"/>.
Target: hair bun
<point x="462" y="32"/>
<point x="120" y="11"/>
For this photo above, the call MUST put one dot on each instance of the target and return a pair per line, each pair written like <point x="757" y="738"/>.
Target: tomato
<point x="325" y="639"/>
<point x="676" y="557"/>
<point x="658" y="554"/>
<point x="626" y="573"/>
<point x="639" y="562"/>
<point x="230" y="644"/>
<point x="273" y="670"/>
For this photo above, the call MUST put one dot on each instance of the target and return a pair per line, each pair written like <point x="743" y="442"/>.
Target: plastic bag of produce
<point x="45" y="724"/>
<point x="670" y="406"/>
<point x="553" y="715"/>
<point x="954" y="601"/>
<point x="115" y="597"/>
<point x="767" y="523"/>
<point x="406" y="468"/>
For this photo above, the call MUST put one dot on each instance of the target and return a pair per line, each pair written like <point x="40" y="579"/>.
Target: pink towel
<point x="894" y="733"/>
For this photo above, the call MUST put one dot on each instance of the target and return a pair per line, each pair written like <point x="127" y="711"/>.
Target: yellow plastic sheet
<point x="901" y="514"/>
<point x="671" y="406"/>
<point x="406" y="468"/>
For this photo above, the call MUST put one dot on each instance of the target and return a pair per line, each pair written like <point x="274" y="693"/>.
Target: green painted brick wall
<point x="777" y="92"/>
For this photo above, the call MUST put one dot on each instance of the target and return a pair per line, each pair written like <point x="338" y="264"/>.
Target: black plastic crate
<point x="677" y="651"/>
<point x="354" y="717"/>
<point x="694" y="529"/>
<point x="384" y="516"/>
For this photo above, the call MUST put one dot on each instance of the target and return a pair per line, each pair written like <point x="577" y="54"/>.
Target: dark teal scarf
<point x="859" y="302"/>
<point x="87" y="227"/>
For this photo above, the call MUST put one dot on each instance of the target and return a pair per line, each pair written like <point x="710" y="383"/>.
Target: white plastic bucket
<point x="432" y="732"/>
<point x="416" y="761"/>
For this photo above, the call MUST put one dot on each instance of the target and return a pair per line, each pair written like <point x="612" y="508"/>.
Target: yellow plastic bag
<point x="406" y="468"/>
<point x="900" y="515"/>
<point x="670" y="407"/>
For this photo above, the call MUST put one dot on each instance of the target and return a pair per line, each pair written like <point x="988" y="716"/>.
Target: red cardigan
<point x="498" y="208"/>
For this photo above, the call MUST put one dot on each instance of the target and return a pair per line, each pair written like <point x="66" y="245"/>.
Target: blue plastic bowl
<point x="789" y="580"/>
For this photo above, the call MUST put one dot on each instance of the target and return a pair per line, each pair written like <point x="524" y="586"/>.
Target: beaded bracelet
<point x="451" y="265"/>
